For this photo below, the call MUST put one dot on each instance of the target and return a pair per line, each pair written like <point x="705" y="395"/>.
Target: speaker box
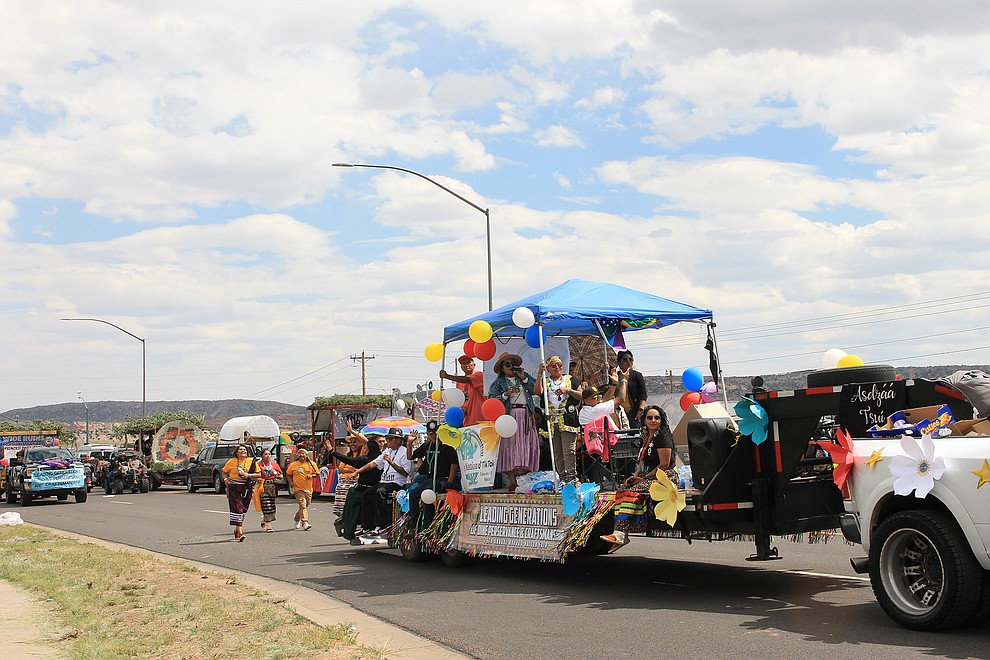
<point x="709" y="444"/>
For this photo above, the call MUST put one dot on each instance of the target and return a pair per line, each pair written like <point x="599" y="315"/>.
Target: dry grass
<point x="123" y="604"/>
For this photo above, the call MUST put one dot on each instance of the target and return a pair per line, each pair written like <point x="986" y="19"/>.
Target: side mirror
<point x="194" y="459"/>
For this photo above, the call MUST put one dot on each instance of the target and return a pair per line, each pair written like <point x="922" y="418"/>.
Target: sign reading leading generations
<point x="512" y="525"/>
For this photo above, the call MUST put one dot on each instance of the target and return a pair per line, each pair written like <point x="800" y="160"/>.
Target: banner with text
<point x="477" y="460"/>
<point x="497" y="524"/>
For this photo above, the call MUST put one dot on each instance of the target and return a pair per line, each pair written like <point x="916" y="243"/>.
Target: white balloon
<point x="428" y="496"/>
<point x="523" y="317"/>
<point x="453" y="397"/>
<point x="400" y="404"/>
<point x="831" y="357"/>
<point x="506" y="425"/>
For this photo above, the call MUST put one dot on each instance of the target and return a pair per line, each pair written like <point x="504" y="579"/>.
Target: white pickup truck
<point x="928" y="556"/>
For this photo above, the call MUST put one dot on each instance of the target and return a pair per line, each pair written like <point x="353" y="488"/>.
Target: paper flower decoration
<point x="455" y="500"/>
<point x="575" y="499"/>
<point x="753" y="419"/>
<point x="841" y="452"/>
<point x="670" y="499"/>
<point x="489" y="436"/>
<point x="919" y="469"/>
<point x="450" y="436"/>
<point x="402" y="497"/>
<point x="983" y="473"/>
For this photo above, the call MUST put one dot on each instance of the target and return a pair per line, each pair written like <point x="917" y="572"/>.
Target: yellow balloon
<point x="436" y="395"/>
<point x="480" y="331"/>
<point x="850" y="360"/>
<point x="434" y="351"/>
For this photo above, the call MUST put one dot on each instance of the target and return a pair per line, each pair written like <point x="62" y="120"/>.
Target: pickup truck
<point x="42" y="472"/>
<point x="205" y="467"/>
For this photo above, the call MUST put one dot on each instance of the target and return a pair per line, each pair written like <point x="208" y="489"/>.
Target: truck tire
<point x="26" y="497"/>
<point x="867" y="373"/>
<point x="218" y="486"/>
<point x="923" y="573"/>
<point x="189" y="485"/>
<point x="155" y="481"/>
<point x="9" y="495"/>
<point x="144" y="485"/>
<point x="81" y="496"/>
<point x="61" y="497"/>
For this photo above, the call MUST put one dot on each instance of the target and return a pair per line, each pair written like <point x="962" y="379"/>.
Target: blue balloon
<point x="454" y="417"/>
<point x="533" y="333"/>
<point x="692" y="379"/>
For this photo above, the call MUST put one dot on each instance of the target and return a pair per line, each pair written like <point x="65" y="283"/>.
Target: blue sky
<point x="168" y="169"/>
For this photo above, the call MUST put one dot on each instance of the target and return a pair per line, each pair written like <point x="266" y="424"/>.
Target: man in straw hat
<point x="563" y="394"/>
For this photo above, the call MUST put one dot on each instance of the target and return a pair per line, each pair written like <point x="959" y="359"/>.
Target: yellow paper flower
<point x="450" y="436"/>
<point x="670" y="499"/>
<point x="489" y="436"/>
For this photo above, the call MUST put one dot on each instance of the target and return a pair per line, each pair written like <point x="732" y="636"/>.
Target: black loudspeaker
<point x="709" y="443"/>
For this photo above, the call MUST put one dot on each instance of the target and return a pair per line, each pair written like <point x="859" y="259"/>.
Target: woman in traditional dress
<point x="265" y="498"/>
<point x="520" y="452"/>
<point x="240" y="474"/>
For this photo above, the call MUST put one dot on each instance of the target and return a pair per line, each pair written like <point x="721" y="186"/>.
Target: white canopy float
<point x="256" y="426"/>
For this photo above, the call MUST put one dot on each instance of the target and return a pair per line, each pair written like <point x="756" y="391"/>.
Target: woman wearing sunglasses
<point x="658" y="447"/>
<point x="518" y="453"/>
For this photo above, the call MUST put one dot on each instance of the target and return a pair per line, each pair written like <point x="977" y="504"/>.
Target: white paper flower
<point x="919" y="469"/>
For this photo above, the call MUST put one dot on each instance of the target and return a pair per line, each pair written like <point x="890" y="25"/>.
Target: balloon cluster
<point x="836" y="358"/>
<point x="699" y="391"/>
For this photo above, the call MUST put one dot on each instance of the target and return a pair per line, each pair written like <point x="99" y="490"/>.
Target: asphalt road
<point x="654" y="598"/>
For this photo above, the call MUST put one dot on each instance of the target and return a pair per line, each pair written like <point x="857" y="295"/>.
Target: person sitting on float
<point x="657" y="451"/>
<point x="434" y="457"/>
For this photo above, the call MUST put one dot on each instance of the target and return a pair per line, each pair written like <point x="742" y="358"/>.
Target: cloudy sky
<point x="816" y="173"/>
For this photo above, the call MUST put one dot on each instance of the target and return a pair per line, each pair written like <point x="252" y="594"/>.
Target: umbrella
<point x="590" y="353"/>
<point x="382" y="425"/>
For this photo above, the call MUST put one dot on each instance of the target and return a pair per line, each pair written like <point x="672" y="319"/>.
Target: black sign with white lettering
<point x="863" y="405"/>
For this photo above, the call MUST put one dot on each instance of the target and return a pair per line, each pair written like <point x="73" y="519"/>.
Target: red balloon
<point x="469" y="348"/>
<point x="689" y="399"/>
<point x="485" y="351"/>
<point x="492" y="409"/>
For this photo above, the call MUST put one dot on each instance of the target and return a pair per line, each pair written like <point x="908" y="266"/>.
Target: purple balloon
<point x="709" y="388"/>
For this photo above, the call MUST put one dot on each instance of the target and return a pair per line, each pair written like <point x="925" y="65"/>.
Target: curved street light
<point x="144" y="362"/>
<point x="488" y="219"/>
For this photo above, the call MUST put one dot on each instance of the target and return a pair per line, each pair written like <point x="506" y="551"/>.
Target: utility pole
<point x="363" y="358"/>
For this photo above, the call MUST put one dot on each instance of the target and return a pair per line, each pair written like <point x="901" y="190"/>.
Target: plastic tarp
<point x="258" y="426"/>
<point x="576" y="306"/>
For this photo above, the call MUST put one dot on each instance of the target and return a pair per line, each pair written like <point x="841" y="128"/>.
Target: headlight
<point x="27" y="472"/>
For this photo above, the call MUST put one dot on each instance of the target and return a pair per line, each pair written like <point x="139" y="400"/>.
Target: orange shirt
<point x="230" y="468"/>
<point x="302" y="473"/>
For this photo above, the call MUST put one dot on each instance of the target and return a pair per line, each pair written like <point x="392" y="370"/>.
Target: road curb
<point x="390" y="640"/>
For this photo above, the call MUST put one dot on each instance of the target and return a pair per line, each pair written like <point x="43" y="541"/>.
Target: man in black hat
<point x="437" y="469"/>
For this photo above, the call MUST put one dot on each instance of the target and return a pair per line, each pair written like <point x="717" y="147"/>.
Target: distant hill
<point x="297" y="417"/>
<point x="214" y="412"/>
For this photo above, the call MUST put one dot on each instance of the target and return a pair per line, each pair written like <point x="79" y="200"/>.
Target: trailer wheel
<point x="867" y="373"/>
<point x="455" y="558"/>
<point x="81" y="496"/>
<point x="922" y="571"/>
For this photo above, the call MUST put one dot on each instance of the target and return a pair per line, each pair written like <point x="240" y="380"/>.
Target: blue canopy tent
<point x="580" y="307"/>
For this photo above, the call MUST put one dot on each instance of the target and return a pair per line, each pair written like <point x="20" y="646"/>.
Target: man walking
<point x="302" y="471"/>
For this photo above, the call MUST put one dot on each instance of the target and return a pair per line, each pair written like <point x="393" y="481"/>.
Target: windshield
<point x="39" y="454"/>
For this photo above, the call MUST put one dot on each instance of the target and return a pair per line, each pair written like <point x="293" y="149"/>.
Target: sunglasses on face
<point x="652" y="417"/>
<point x="625" y="359"/>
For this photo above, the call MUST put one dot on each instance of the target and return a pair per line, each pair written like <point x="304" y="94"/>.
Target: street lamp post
<point x="86" y="405"/>
<point x="144" y="362"/>
<point x="488" y="218"/>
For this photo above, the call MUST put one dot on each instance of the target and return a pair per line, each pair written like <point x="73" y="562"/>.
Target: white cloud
<point x="558" y="136"/>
